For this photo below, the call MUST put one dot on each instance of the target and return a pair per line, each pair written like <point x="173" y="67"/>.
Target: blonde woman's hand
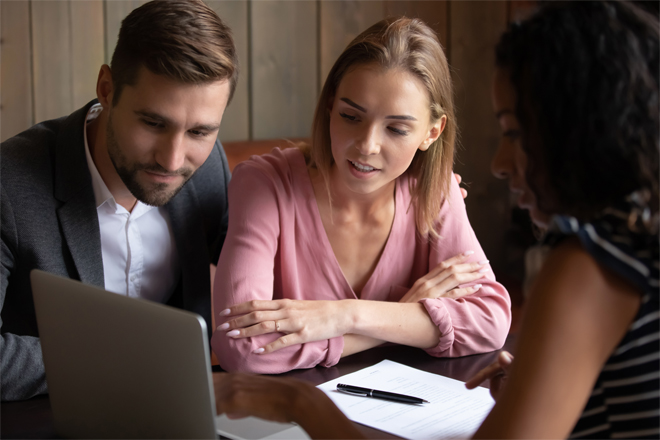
<point x="300" y="321"/>
<point x="443" y="280"/>
<point x="497" y="372"/>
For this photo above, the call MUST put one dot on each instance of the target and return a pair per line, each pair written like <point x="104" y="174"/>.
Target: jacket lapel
<point x="73" y="187"/>
<point x="189" y="234"/>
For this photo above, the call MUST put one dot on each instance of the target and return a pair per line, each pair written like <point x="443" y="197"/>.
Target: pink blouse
<point x="276" y="247"/>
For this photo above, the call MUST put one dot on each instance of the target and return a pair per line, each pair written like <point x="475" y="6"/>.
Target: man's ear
<point x="104" y="87"/>
<point x="434" y="133"/>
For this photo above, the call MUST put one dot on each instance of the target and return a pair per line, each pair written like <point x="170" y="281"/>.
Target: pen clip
<point x="352" y="393"/>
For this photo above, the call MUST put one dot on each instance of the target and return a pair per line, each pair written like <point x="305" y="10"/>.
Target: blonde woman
<point x="361" y="237"/>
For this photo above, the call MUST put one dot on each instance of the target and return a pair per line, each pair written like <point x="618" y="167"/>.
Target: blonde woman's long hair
<point x="409" y="45"/>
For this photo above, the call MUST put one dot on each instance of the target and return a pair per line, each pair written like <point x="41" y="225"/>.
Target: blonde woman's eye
<point x="398" y="131"/>
<point x="347" y="116"/>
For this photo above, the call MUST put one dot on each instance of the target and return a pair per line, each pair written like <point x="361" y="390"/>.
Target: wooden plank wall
<point x="475" y="29"/>
<point x="236" y="120"/>
<point x="340" y="23"/>
<point x="51" y="59"/>
<point x="284" y="59"/>
<point x="51" y="51"/>
<point x="16" y="112"/>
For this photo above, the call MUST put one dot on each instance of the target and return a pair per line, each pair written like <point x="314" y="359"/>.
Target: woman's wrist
<point x="357" y="343"/>
<point x="349" y="315"/>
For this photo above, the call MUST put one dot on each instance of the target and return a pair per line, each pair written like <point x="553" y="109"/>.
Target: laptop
<point x="121" y="367"/>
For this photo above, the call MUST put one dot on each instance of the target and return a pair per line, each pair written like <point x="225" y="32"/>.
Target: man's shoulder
<point x="30" y="148"/>
<point x="33" y="151"/>
<point x="27" y="168"/>
<point x="213" y="176"/>
<point x="206" y="194"/>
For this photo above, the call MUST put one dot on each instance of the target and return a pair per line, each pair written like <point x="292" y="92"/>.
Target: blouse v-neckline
<point x="305" y="184"/>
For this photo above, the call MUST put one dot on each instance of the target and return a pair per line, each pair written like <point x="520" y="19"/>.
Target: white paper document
<point x="453" y="411"/>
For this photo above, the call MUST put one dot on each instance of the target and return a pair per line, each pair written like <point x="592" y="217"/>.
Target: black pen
<point x="366" y="392"/>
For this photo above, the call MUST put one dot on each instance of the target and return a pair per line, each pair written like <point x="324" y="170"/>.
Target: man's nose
<point x="171" y="152"/>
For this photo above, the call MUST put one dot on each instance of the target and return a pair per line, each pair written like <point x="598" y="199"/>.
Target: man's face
<point x="161" y="131"/>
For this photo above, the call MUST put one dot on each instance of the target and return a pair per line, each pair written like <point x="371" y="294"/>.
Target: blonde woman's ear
<point x="434" y="133"/>
<point x="443" y="124"/>
<point x="437" y="129"/>
<point x="426" y="144"/>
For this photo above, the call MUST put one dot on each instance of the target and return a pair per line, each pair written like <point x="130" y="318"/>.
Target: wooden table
<point x="33" y="418"/>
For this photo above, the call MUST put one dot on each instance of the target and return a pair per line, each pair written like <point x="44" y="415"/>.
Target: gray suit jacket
<point x="49" y="222"/>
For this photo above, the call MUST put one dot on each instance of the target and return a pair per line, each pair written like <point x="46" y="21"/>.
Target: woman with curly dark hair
<point x="576" y="95"/>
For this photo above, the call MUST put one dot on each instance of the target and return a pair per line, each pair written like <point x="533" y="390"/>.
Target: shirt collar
<point x="101" y="192"/>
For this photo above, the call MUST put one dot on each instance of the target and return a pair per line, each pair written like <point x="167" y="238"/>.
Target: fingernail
<point x="224" y="326"/>
<point x="476" y="286"/>
<point x="506" y="356"/>
<point x="233" y="333"/>
<point x="482" y="262"/>
<point x="468" y="253"/>
<point x="484" y="270"/>
<point x="258" y="351"/>
<point x="225" y="312"/>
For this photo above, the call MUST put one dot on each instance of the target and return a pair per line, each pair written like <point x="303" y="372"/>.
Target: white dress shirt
<point x="139" y="252"/>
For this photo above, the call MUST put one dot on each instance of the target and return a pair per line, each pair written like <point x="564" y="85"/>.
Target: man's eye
<point x="347" y="116"/>
<point x="151" y="123"/>
<point x="198" y="133"/>
<point x="511" y="134"/>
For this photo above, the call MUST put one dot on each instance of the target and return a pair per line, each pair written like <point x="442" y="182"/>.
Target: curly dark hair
<point x="586" y="77"/>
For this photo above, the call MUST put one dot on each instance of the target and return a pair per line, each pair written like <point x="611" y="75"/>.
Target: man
<point x="127" y="193"/>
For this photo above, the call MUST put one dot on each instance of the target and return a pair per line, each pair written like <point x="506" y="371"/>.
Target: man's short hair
<point x="184" y="40"/>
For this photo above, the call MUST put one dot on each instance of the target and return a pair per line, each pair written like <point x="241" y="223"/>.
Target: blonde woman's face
<point x="378" y="120"/>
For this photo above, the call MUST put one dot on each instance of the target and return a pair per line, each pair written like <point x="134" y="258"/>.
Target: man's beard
<point x="155" y="194"/>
